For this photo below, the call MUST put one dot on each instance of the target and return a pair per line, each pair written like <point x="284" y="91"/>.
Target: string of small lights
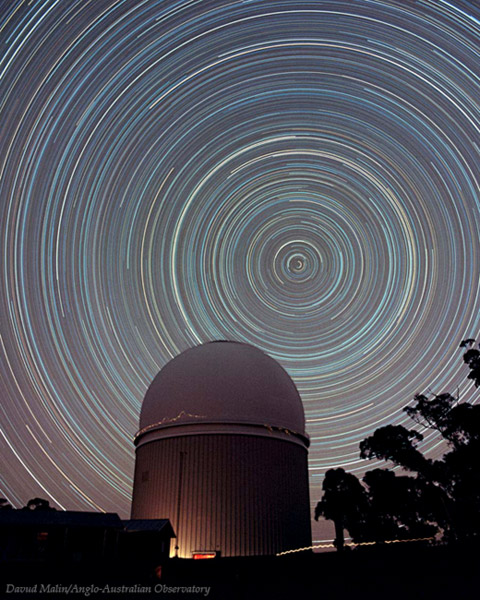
<point x="353" y="545"/>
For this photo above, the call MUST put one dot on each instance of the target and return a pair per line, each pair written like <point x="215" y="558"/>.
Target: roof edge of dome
<point x="179" y="429"/>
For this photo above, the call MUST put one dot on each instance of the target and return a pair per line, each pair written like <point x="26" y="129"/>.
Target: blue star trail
<point x="301" y="176"/>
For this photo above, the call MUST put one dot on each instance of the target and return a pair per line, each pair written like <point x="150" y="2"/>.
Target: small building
<point x="54" y="535"/>
<point x="147" y="540"/>
<point x="71" y="537"/>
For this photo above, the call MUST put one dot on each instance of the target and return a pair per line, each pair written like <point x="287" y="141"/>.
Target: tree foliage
<point x="38" y="504"/>
<point x="472" y="359"/>
<point x="395" y="443"/>
<point x="458" y="423"/>
<point x="344" y="502"/>
<point x="398" y="507"/>
<point x="440" y="498"/>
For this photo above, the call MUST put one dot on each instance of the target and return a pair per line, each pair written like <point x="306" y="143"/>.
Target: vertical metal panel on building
<point x="234" y="494"/>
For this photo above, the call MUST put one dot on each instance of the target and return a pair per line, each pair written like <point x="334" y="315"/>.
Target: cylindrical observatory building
<point x="222" y="453"/>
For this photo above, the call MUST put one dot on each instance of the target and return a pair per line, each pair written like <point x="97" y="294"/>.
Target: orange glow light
<point x="202" y="555"/>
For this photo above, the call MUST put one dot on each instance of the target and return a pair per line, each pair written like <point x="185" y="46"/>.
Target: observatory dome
<point x="222" y="452"/>
<point x="224" y="383"/>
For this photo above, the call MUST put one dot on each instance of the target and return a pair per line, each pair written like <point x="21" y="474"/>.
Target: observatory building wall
<point x="236" y="495"/>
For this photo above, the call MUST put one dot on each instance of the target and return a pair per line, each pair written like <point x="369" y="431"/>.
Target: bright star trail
<point x="299" y="176"/>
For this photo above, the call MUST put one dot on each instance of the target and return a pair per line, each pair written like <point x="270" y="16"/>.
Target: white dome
<point x="224" y="383"/>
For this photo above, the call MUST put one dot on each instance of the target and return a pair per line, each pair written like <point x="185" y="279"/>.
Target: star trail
<point x="302" y="177"/>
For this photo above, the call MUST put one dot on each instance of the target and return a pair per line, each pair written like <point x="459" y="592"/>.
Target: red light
<point x="202" y="555"/>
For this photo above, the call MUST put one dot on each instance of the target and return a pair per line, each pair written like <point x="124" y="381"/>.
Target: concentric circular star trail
<point x="299" y="176"/>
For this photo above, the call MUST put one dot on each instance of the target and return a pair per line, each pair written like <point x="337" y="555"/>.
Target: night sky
<point x="300" y="176"/>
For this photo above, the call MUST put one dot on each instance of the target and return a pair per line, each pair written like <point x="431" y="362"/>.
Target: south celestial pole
<point x="300" y="176"/>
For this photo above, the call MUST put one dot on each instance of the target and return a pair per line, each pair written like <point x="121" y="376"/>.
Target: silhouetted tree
<point x="459" y="424"/>
<point x="5" y="504"/>
<point x="458" y="472"/>
<point x="38" y="504"/>
<point x="444" y="495"/>
<point x="454" y="481"/>
<point x="399" y="507"/>
<point x="344" y="502"/>
<point x="462" y="472"/>
<point x="472" y="359"/>
<point x="395" y="443"/>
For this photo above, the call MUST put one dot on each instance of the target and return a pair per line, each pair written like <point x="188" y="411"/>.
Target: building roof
<point x="223" y="382"/>
<point x="59" y="518"/>
<point x="149" y="525"/>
